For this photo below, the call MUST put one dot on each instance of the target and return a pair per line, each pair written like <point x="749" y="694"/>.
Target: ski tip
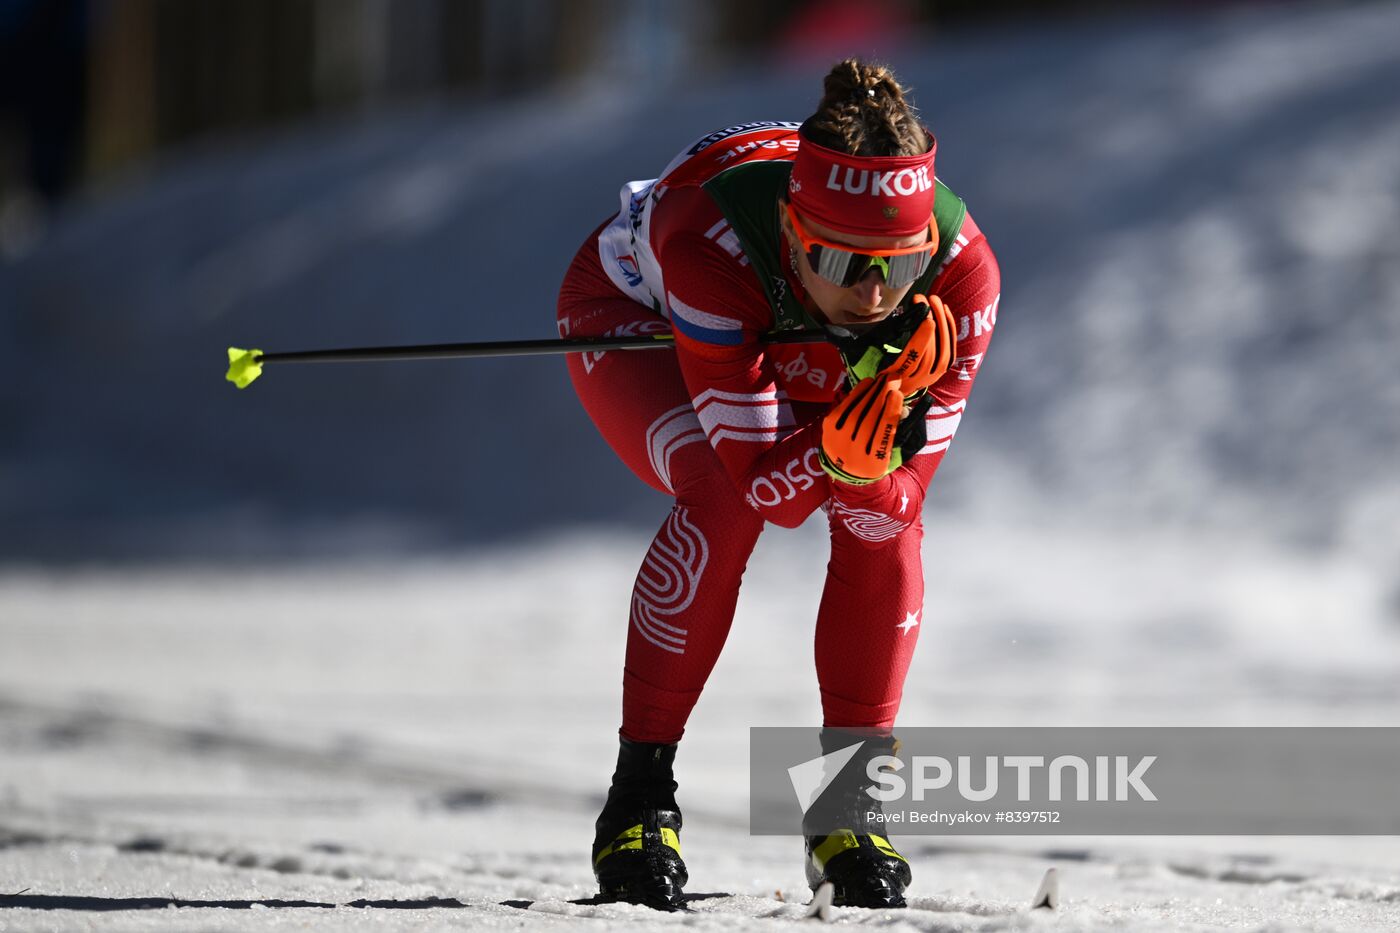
<point x="820" y="907"/>
<point x="243" y="366"/>
<point x="1047" y="896"/>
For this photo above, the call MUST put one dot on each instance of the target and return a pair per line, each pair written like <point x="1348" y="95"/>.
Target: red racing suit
<point x="731" y="426"/>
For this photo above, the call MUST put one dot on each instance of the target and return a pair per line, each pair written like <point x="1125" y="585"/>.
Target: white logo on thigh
<point x="669" y="580"/>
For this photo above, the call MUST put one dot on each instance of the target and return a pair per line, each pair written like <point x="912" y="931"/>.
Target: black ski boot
<point x="846" y="842"/>
<point x="637" y="846"/>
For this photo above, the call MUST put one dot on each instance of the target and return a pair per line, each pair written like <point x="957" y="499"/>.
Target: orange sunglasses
<point x="843" y="266"/>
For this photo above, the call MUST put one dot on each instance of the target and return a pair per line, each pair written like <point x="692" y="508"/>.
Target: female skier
<point x="836" y="225"/>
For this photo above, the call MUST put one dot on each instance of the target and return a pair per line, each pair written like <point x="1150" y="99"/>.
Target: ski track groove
<point x="346" y="864"/>
<point x="361" y="758"/>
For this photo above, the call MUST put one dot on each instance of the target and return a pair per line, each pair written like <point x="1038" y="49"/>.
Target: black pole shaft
<point x="441" y="351"/>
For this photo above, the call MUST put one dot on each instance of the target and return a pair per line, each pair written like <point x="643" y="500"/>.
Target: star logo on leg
<point x="911" y="619"/>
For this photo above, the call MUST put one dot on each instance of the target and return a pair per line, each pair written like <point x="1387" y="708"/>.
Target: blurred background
<point x="1196" y="208"/>
<point x="309" y="627"/>
<point x="1194" y="205"/>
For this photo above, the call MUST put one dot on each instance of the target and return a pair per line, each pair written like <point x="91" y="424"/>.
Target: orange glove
<point x="858" y="433"/>
<point x="928" y="333"/>
<point x="930" y="350"/>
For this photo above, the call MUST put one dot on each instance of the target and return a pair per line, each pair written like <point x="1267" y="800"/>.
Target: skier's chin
<point x="846" y="318"/>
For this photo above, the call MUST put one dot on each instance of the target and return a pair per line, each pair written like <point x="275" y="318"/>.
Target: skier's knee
<point x="713" y="493"/>
<point x="874" y="530"/>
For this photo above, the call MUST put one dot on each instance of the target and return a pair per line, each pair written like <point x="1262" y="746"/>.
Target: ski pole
<point x="246" y="365"/>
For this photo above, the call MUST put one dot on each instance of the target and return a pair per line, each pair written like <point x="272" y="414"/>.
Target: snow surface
<point x="435" y="737"/>
<point x="1174" y="502"/>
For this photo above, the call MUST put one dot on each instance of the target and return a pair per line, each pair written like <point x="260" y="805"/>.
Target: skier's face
<point x="869" y="299"/>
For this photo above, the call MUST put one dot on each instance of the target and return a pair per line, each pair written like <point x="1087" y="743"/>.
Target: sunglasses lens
<point x="846" y="269"/>
<point x="838" y="266"/>
<point x="905" y="269"/>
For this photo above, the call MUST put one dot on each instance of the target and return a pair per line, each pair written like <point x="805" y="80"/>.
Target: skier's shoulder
<point x="728" y="148"/>
<point x="680" y="201"/>
<point x="682" y="214"/>
<point x="673" y="220"/>
<point x="969" y="255"/>
<point x="703" y="262"/>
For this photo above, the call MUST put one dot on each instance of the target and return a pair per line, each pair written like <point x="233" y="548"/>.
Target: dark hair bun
<point x="863" y="112"/>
